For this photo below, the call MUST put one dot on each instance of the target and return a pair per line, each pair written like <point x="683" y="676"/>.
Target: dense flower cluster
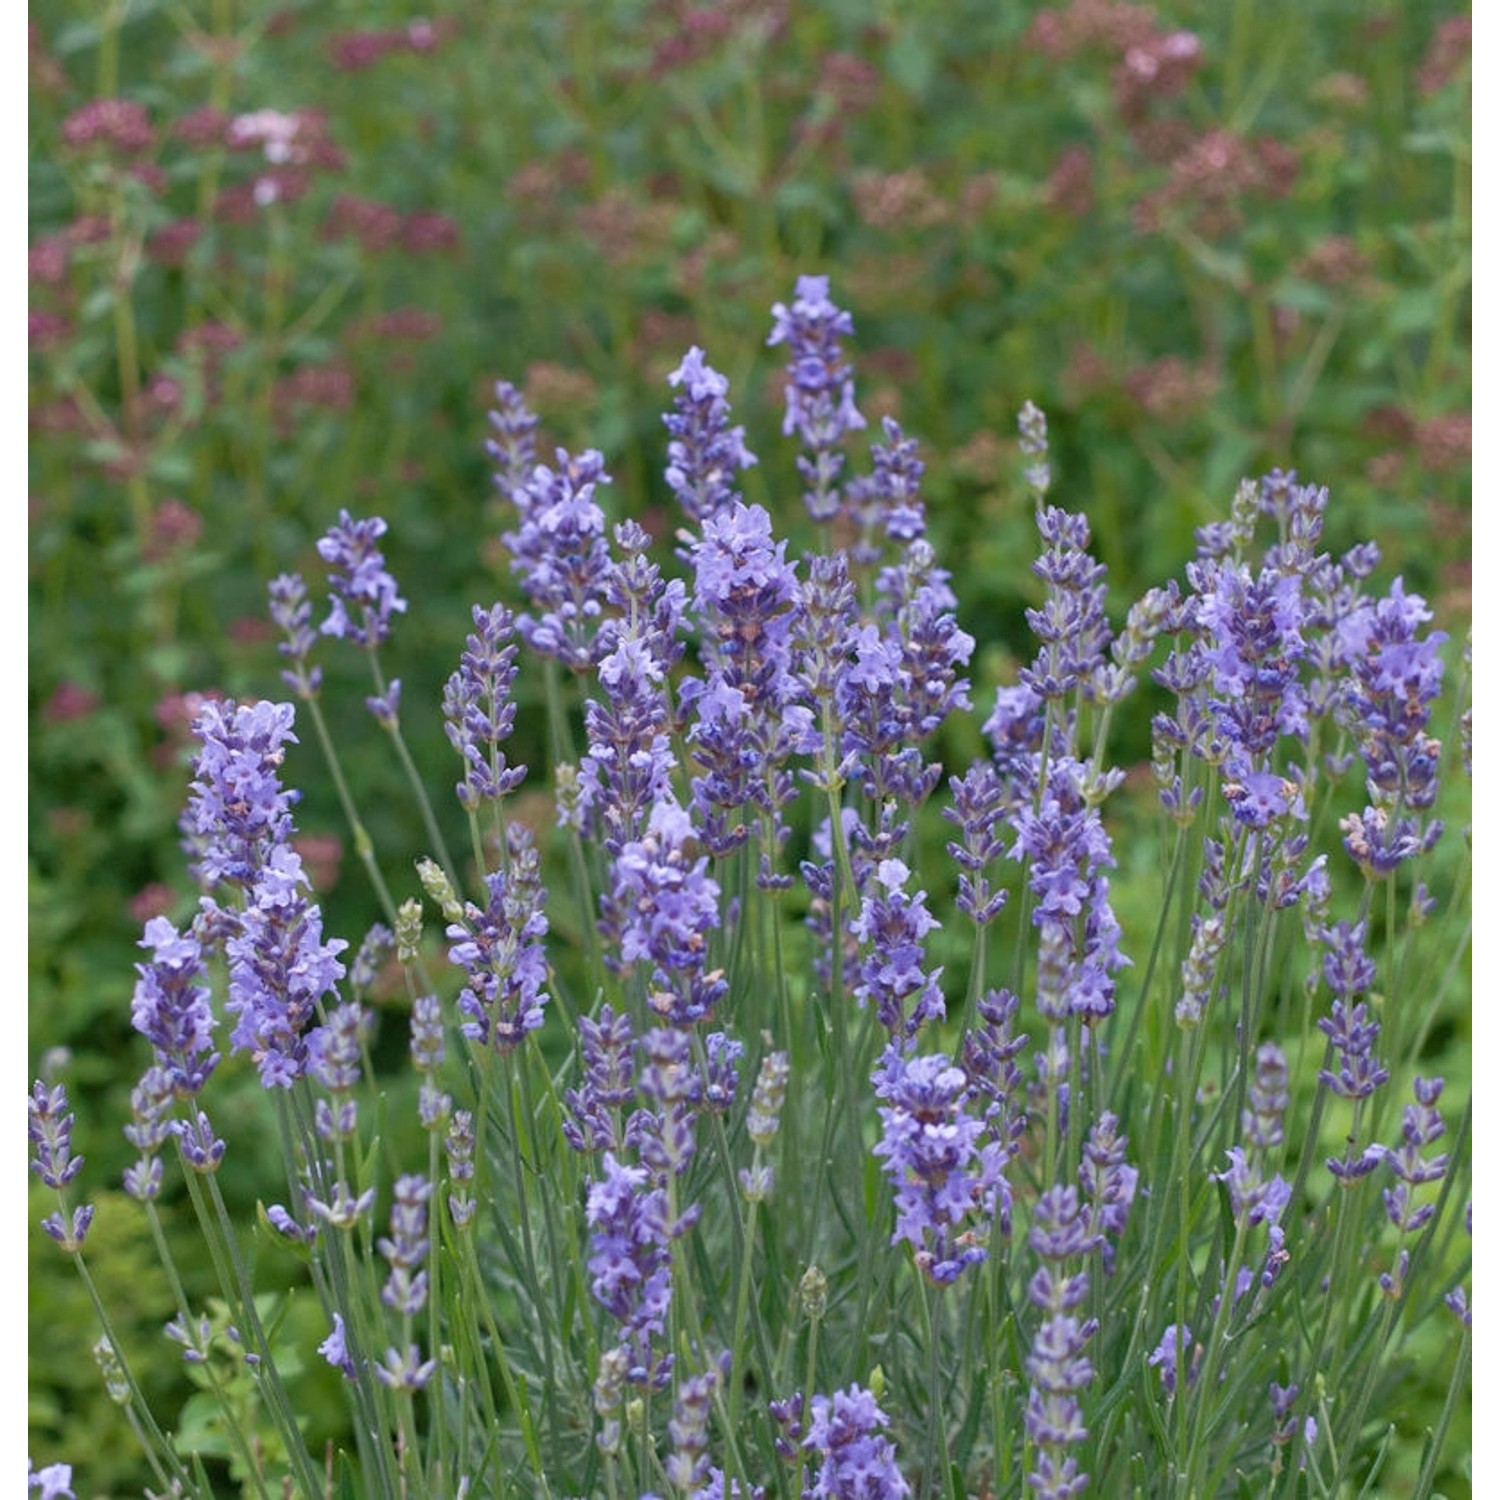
<point x="891" y="927"/>
<point x="747" y="718"/>
<point x="627" y="767"/>
<point x="707" y="702"/>
<point x="172" y="1010"/>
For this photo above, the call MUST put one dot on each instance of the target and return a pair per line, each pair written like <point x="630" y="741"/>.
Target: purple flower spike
<point x="856" y="1461"/>
<point x="704" y="451"/>
<point x="171" y="1010"/>
<point x="1393" y="678"/>
<point x="1057" y="1364"/>
<point x="364" y="595"/>
<point x="820" y="405"/>
<point x="607" y="1049"/>
<point x="405" y="1290"/>
<point x="666" y="905"/>
<point x="748" y="719"/>
<point x="937" y="1161"/>
<point x="513" y="446"/>
<point x="237" y="809"/>
<point x="1421" y="1125"/>
<point x="891" y="928"/>
<point x="978" y="809"/>
<point x="50" y="1129"/>
<point x="688" y="1464"/>
<point x="670" y="1082"/>
<point x="291" y="610"/>
<point x="280" y="969"/>
<point x="630" y="1262"/>
<point x="1254" y="627"/>
<point x="500" y="950"/>
<point x="1070" y="624"/>
<point x="1353" y="1034"/>
<point x="478" y="712"/>
<point x="629" y="761"/>
<point x="561" y="555"/>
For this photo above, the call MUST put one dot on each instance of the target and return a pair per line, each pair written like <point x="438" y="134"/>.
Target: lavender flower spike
<point x="171" y="1010"/>
<point x="364" y="595"/>
<point x="891" y="928"/>
<point x="705" y="450"/>
<point x="500" y="950"/>
<point x="513" y="447"/>
<point x="291" y="610"/>
<point x="820" y="388"/>
<point x="857" y="1461"/>
<point x="236" y="807"/>
<point x="477" y="709"/>
<point x="50" y="1128"/>
<point x="630" y="1261"/>
<point x="937" y="1162"/>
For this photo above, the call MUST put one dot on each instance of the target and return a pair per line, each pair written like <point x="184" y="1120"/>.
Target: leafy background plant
<point x="1202" y="261"/>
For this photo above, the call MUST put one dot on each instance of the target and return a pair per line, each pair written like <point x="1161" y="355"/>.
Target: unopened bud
<point x="440" y="889"/>
<point x="813" y="1290"/>
<point x="409" y="930"/>
<point x="113" y="1372"/>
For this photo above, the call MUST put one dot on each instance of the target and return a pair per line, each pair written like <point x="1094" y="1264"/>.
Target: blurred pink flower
<point x="427" y="233"/>
<point x="154" y="900"/>
<point x="45" y="330"/>
<point x="169" y="246"/>
<point x="1447" y="52"/>
<point x="119" y="125"/>
<point x="69" y="702"/>
<point x="174" y="527"/>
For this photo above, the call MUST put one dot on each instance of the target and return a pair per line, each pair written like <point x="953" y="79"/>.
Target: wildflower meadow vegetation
<point x="711" y="816"/>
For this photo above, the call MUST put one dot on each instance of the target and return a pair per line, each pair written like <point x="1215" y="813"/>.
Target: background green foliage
<point x="1259" y="260"/>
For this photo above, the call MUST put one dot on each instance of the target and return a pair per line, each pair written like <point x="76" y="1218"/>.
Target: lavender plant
<point x="884" y="1170"/>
